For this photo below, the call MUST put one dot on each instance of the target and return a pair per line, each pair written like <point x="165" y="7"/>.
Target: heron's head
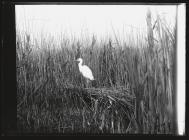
<point x="79" y="60"/>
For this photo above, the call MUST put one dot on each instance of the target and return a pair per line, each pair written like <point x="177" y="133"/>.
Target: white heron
<point x="85" y="71"/>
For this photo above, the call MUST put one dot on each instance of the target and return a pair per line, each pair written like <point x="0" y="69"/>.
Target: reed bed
<point x="133" y="92"/>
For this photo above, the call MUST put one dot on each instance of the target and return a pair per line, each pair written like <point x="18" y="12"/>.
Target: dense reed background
<point x="147" y="70"/>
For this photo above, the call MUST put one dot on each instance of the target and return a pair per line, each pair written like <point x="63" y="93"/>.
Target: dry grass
<point x="49" y="99"/>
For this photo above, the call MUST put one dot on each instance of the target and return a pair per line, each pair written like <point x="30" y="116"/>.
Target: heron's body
<point x="85" y="70"/>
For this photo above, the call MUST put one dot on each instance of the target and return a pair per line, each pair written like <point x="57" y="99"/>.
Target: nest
<point x="117" y="98"/>
<point x="115" y="103"/>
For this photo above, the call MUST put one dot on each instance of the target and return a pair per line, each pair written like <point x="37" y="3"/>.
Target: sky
<point x="86" y="20"/>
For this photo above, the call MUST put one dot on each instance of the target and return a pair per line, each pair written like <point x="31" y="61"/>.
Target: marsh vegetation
<point x="134" y="90"/>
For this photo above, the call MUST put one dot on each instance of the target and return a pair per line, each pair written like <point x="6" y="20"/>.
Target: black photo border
<point x="8" y="57"/>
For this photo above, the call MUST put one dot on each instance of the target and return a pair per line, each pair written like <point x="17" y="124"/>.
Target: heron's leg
<point x="88" y="86"/>
<point x="87" y="81"/>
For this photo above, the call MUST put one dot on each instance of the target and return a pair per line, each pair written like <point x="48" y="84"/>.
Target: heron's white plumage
<point x="85" y="70"/>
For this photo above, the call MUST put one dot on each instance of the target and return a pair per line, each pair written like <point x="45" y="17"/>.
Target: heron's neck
<point x="80" y="63"/>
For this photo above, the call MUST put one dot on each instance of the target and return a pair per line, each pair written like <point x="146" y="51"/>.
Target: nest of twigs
<point x="113" y="105"/>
